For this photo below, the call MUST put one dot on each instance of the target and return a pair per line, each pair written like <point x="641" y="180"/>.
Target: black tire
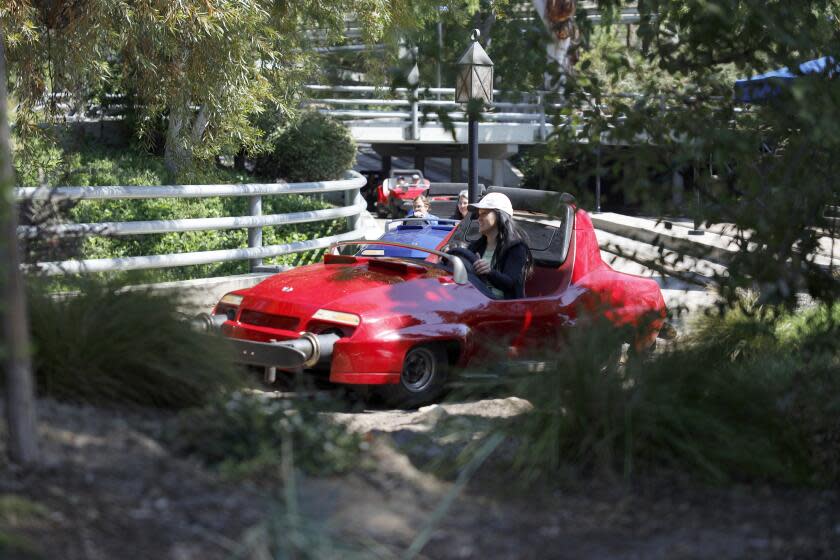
<point x="643" y="355"/>
<point x="613" y="360"/>
<point x="422" y="379"/>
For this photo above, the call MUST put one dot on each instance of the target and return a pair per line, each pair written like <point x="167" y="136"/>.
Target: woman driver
<point x="503" y="258"/>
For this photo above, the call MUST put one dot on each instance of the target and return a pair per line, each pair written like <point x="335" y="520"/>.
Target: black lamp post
<point x="474" y="82"/>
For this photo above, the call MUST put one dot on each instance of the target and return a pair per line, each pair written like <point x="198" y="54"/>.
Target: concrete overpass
<point x="427" y="123"/>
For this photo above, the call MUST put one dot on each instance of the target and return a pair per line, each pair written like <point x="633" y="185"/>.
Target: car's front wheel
<point x="422" y="379"/>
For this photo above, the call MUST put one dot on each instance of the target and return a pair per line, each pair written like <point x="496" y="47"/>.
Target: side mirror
<point x="459" y="271"/>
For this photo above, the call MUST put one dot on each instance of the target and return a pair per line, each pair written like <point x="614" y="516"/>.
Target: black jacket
<point x="509" y="273"/>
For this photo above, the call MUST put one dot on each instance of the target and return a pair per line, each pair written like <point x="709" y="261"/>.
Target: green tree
<point x="769" y="168"/>
<point x="209" y="66"/>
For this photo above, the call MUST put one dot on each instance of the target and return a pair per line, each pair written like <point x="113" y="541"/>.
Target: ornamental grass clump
<point x="747" y="397"/>
<point x="244" y="434"/>
<point x="104" y="344"/>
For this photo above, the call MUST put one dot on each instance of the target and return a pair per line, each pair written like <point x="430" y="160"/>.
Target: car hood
<point x="368" y="285"/>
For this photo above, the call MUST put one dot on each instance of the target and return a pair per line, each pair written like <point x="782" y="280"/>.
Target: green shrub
<point x="748" y="397"/>
<point x="244" y="434"/>
<point x="314" y="148"/>
<point x="104" y="345"/>
<point x="813" y="401"/>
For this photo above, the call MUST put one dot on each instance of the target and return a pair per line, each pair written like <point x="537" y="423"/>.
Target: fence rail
<point x="354" y="205"/>
<point x="371" y="106"/>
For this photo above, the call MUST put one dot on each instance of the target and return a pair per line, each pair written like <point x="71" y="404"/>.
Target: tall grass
<point x="746" y="398"/>
<point x="106" y="345"/>
<point x="16" y="511"/>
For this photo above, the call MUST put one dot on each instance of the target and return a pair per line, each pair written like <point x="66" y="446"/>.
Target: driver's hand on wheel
<point x="481" y="266"/>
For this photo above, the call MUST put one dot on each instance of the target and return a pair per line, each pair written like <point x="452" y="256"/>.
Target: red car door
<point x="523" y="329"/>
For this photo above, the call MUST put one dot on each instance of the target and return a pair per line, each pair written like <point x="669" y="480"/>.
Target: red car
<point x="405" y="324"/>
<point x="396" y="193"/>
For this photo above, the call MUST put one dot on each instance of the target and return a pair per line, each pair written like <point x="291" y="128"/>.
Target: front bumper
<point x="356" y="362"/>
<point x="300" y="353"/>
<point x="306" y="351"/>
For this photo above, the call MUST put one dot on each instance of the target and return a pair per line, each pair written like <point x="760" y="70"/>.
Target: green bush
<point x="748" y="397"/>
<point x="813" y="401"/>
<point x="105" y="345"/>
<point x="245" y="434"/>
<point x="314" y="148"/>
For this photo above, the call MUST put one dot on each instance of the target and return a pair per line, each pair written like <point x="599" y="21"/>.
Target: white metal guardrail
<point x="377" y="106"/>
<point x="350" y="184"/>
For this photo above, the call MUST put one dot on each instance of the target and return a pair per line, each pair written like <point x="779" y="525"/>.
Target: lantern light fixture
<point x="475" y="74"/>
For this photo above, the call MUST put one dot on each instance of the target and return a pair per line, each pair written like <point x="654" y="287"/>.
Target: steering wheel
<point x="467" y="257"/>
<point x="464" y="253"/>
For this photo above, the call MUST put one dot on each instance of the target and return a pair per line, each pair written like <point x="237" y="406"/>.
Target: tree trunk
<point x="20" y="389"/>
<point x="558" y="18"/>
<point x="175" y="153"/>
<point x="202" y="119"/>
<point x="185" y="130"/>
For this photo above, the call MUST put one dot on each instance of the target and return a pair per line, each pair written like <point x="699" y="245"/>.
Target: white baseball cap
<point x="494" y="201"/>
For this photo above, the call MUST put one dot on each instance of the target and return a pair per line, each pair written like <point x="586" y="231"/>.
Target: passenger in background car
<point x="461" y="210"/>
<point x="421" y="210"/>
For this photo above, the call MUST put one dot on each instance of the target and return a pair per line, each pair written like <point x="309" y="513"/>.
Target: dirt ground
<point x="109" y="489"/>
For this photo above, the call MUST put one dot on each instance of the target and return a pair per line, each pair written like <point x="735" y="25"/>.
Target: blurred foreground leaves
<point x="746" y="398"/>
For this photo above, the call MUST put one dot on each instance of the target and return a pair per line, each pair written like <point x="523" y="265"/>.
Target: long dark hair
<point x="510" y="234"/>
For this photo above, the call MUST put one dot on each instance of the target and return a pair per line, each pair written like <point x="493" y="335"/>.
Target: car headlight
<point x="339" y="317"/>
<point x="228" y="305"/>
<point x="232" y="299"/>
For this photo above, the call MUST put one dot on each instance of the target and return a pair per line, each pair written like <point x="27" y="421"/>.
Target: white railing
<point x="378" y="106"/>
<point x="354" y="205"/>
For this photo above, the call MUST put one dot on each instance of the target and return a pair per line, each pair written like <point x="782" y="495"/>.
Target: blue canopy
<point x="765" y="86"/>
